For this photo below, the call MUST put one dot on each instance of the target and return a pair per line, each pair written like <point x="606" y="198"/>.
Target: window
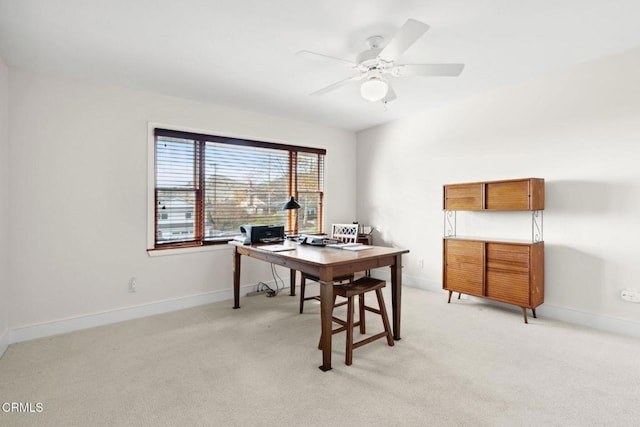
<point x="207" y="186"/>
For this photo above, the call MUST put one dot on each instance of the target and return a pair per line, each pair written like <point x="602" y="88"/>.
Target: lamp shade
<point x="291" y="204"/>
<point x="374" y="89"/>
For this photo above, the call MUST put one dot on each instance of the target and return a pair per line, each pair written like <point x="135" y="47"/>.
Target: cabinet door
<point x="464" y="266"/>
<point x="463" y="197"/>
<point x="508" y="195"/>
<point x="508" y="267"/>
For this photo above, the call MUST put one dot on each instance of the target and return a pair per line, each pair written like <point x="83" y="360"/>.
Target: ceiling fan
<point x="377" y="63"/>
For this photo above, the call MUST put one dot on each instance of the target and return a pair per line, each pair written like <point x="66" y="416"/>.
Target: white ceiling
<point x="241" y="53"/>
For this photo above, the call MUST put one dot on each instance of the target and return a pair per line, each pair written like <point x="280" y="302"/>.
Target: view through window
<point x="207" y="186"/>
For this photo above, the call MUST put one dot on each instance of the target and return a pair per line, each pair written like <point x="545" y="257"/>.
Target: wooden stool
<point x="303" y="282"/>
<point x="349" y="290"/>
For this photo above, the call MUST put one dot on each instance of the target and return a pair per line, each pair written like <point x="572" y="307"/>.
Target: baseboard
<point x="57" y="327"/>
<point x="411" y="281"/>
<point x="589" y="320"/>
<point x="4" y="342"/>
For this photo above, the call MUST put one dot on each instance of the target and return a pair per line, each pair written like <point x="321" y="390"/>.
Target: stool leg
<point x="363" y="329"/>
<point x="385" y="319"/>
<point x="349" y="350"/>
<point x="302" y="285"/>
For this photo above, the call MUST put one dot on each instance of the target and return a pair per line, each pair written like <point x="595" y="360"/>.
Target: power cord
<point x="268" y="289"/>
<point x="276" y="276"/>
<point x="263" y="287"/>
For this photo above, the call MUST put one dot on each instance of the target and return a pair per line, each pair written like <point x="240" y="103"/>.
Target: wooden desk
<point x="327" y="263"/>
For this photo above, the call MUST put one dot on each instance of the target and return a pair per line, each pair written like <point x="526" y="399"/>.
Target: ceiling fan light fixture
<point x="374" y="89"/>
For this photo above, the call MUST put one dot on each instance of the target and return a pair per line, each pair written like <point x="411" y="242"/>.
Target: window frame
<point x="292" y="225"/>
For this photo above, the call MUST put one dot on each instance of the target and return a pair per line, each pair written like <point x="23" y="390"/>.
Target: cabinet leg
<point x="449" y="300"/>
<point x="533" y="310"/>
<point x="524" y="314"/>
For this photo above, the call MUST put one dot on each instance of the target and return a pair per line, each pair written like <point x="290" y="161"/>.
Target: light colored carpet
<point x="464" y="363"/>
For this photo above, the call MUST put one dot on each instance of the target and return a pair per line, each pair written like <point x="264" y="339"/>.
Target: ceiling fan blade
<point x="320" y="56"/>
<point x="446" y="70"/>
<point x="336" y="85"/>
<point x="407" y="35"/>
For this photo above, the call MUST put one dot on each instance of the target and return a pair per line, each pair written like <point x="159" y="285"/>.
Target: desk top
<point x="322" y="256"/>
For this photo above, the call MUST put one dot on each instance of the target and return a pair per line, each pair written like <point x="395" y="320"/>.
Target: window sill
<point x="188" y="250"/>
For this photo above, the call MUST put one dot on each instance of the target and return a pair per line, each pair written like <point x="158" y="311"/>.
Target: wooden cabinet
<point x="509" y="272"/>
<point x="508" y="195"/>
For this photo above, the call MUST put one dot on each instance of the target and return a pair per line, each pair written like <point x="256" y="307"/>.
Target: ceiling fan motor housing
<point x="368" y="57"/>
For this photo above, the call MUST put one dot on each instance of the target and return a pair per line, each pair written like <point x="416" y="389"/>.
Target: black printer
<point x="253" y="233"/>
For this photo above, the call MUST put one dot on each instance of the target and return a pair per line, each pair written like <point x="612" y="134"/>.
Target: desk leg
<point x="236" y="278"/>
<point x="326" y="312"/>
<point x="396" y="295"/>
<point x="292" y="282"/>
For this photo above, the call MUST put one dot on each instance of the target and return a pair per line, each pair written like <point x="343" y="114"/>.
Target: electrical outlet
<point x="631" y="296"/>
<point x="133" y="286"/>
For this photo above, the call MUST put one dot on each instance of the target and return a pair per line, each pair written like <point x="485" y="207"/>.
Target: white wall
<point x="4" y="205"/>
<point x="79" y="192"/>
<point x="579" y="129"/>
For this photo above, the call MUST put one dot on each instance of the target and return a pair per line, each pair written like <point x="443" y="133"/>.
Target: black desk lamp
<point x="291" y="204"/>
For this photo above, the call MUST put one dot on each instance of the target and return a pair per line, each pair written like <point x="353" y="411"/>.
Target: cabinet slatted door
<point x="464" y="197"/>
<point x="509" y="195"/>
<point x="508" y="267"/>
<point x="464" y="266"/>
